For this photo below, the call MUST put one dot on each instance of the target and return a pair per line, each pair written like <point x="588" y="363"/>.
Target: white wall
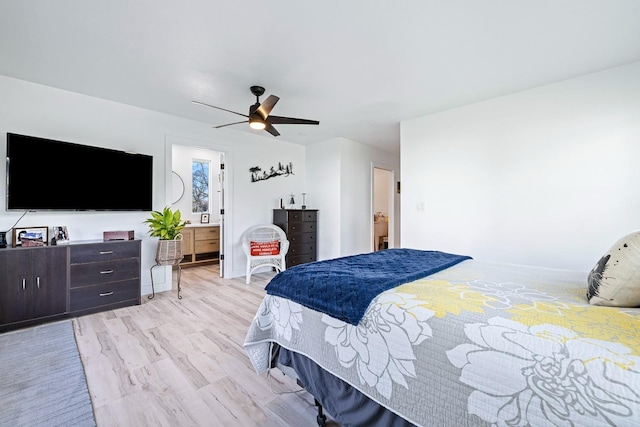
<point x="547" y="176"/>
<point x="42" y="111"/>
<point x="253" y="202"/>
<point x="341" y="171"/>
<point x="323" y="185"/>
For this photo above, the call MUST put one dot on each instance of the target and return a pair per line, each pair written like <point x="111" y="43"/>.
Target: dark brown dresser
<point x="301" y="227"/>
<point x="46" y="283"/>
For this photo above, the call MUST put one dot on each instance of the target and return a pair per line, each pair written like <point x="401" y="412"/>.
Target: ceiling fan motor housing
<point x="257" y="90"/>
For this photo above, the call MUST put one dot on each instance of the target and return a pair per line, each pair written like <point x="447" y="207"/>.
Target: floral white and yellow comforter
<point x="476" y="344"/>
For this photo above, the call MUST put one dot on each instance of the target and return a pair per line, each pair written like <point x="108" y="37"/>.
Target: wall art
<point x="257" y="174"/>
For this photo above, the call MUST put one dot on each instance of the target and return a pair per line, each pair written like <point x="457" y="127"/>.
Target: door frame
<point x="226" y="223"/>
<point x="392" y="203"/>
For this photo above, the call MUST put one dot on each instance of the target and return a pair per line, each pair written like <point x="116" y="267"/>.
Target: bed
<point x="470" y="344"/>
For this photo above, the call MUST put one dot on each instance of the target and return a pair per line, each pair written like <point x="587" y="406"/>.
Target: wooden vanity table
<point x="201" y="245"/>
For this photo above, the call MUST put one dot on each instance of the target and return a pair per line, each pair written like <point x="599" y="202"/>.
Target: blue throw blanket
<point x="344" y="287"/>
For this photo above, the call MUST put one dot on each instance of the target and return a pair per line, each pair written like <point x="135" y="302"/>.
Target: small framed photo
<point x="60" y="235"/>
<point x="32" y="236"/>
<point x="204" y="218"/>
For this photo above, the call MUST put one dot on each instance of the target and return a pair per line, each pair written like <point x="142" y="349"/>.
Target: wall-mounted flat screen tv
<point x="44" y="174"/>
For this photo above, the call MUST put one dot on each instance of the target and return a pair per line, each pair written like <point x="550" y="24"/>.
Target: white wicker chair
<point x="264" y="233"/>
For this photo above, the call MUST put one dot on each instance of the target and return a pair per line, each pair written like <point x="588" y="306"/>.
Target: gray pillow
<point x="615" y="280"/>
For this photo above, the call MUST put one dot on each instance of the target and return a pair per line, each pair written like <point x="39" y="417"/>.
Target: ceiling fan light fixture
<point x="260" y="117"/>
<point x="257" y="124"/>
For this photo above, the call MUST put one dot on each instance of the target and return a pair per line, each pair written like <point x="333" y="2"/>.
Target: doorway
<point x="383" y="209"/>
<point x="208" y="210"/>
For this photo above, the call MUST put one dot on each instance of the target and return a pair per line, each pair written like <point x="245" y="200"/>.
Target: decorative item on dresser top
<point x="31" y="236"/>
<point x="166" y="225"/>
<point x="118" y="235"/>
<point x="61" y="235"/>
<point x="301" y="228"/>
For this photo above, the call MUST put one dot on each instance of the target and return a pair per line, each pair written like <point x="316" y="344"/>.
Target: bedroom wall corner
<point x="546" y="176"/>
<point x="323" y="185"/>
<point x="346" y="215"/>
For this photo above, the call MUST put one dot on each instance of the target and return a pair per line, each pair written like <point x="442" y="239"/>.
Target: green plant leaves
<point x="165" y="224"/>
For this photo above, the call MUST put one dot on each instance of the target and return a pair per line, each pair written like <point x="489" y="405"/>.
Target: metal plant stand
<point x="169" y="253"/>
<point x="153" y="290"/>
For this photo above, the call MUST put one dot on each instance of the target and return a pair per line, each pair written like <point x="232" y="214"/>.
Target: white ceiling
<point x="359" y="67"/>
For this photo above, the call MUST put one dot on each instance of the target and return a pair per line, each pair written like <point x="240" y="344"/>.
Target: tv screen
<point x="44" y="174"/>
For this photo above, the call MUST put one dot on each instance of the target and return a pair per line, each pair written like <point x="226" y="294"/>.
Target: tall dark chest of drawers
<point x="301" y="227"/>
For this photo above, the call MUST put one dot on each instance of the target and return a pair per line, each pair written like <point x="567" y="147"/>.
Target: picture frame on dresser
<point x="30" y="236"/>
<point x="60" y="235"/>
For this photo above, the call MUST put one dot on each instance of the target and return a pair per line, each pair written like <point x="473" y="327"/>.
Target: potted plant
<point x="166" y="225"/>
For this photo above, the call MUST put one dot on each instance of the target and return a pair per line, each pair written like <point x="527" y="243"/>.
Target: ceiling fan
<point x="259" y="117"/>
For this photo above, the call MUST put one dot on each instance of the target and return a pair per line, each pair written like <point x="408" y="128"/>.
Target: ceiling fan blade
<point x="229" y="124"/>
<point x="267" y="105"/>
<point x="223" y="109"/>
<point x="277" y="120"/>
<point x="271" y="130"/>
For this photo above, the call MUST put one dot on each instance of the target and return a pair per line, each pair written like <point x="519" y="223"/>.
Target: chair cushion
<point x="615" y="280"/>
<point x="265" y="248"/>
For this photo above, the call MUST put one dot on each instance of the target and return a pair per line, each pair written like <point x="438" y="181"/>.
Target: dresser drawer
<point x="104" y="294"/>
<point x="204" y="246"/>
<point x="309" y="248"/>
<point x="300" y="259"/>
<point x="299" y="227"/>
<point x="296" y="239"/>
<point x="311" y="216"/>
<point x="104" y="251"/>
<point x="207" y="233"/>
<point x="102" y="272"/>
<point x="280" y="216"/>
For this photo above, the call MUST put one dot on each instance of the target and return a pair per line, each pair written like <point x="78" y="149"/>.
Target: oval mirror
<point x="177" y="187"/>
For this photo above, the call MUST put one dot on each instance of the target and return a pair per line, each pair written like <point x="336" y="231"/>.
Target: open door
<point x="383" y="209"/>
<point x="184" y="154"/>
<point x="221" y="178"/>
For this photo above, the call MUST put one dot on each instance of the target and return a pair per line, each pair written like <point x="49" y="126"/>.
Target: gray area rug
<point x="42" y="380"/>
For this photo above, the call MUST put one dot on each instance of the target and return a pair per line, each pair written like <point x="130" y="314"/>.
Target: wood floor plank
<point x="170" y="362"/>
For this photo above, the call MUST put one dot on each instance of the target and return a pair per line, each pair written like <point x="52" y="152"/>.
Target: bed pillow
<point x="615" y="280"/>
<point x="265" y="248"/>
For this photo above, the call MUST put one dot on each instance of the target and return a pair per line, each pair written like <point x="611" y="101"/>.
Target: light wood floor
<point x="171" y="362"/>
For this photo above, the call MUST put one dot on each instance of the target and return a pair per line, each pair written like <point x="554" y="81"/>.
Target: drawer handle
<point x="38" y="281"/>
<point x="24" y="282"/>
<point x="106" y="294"/>
<point x="106" y="272"/>
<point x="106" y="252"/>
